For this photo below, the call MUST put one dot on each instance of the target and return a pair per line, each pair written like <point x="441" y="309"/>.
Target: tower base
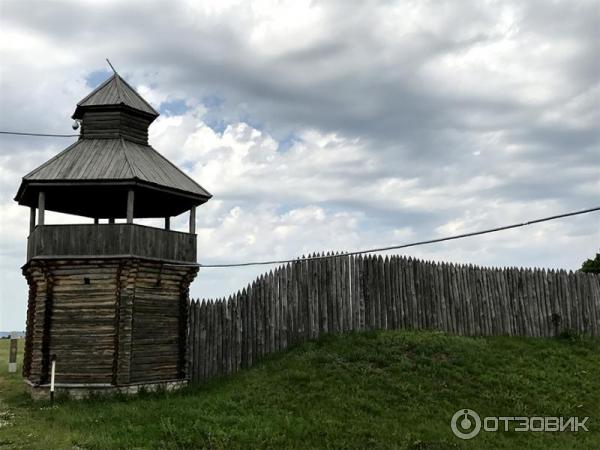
<point x="81" y="391"/>
<point x="112" y="325"/>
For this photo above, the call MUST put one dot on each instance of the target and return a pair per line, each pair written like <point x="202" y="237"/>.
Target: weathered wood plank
<point x="302" y="300"/>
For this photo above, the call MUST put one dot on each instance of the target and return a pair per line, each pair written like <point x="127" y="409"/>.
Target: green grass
<point x="369" y="390"/>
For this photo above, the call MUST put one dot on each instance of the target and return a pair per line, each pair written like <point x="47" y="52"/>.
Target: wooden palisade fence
<point x="309" y="298"/>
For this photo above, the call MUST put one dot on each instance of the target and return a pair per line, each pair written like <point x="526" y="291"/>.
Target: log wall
<point x="310" y="298"/>
<point x="160" y="323"/>
<point x="108" y="321"/>
<point x="107" y="124"/>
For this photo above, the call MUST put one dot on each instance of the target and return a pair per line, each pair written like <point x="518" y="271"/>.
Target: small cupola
<point x="115" y="110"/>
<point x="111" y="162"/>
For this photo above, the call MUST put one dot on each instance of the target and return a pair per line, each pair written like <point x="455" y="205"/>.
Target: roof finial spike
<point x="111" y="66"/>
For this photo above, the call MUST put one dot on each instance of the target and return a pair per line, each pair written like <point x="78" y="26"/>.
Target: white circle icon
<point x="465" y="423"/>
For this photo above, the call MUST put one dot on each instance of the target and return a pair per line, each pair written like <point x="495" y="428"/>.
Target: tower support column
<point x="193" y="220"/>
<point x="130" y="200"/>
<point x="31" y="219"/>
<point x="41" y="208"/>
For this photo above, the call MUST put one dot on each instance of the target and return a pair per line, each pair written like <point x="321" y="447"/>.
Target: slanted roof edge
<point x="123" y="98"/>
<point x="178" y="169"/>
<point x="98" y="88"/>
<point x="139" y="95"/>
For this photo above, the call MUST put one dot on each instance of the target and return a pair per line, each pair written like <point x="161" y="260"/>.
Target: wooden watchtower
<point x="109" y="299"/>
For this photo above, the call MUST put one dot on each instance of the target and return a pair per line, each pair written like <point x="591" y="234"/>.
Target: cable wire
<point x="358" y="252"/>
<point x="16" y="133"/>
<point x="395" y="247"/>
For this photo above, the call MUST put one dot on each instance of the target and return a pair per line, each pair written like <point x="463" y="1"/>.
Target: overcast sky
<point x="331" y="125"/>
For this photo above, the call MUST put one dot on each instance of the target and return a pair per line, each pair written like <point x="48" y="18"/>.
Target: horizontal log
<point x="150" y="369"/>
<point x="155" y="360"/>
<point x="156" y="311"/>
<point x="152" y="341"/>
<point x="84" y="271"/>
<point x="73" y="366"/>
<point x="85" y="289"/>
<point x="105" y="310"/>
<point x="88" y="297"/>
<point x="90" y="321"/>
<point x="83" y="378"/>
<point x="147" y="352"/>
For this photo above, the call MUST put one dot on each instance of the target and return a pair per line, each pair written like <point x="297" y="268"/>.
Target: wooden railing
<point x="120" y="239"/>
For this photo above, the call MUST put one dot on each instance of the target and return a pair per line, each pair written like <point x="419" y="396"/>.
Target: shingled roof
<point x="115" y="160"/>
<point x="112" y="154"/>
<point x="115" y="91"/>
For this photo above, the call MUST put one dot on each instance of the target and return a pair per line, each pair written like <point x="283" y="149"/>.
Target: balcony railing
<point x="119" y="239"/>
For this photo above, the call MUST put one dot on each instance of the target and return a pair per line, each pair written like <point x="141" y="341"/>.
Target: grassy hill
<point x="369" y="390"/>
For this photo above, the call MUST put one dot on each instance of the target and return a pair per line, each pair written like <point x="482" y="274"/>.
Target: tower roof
<point x="111" y="156"/>
<point x="114" y="91"/>
<point x="115" y="160"/>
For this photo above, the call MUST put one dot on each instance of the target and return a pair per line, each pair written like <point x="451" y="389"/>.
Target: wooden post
<point x="12" y="355"/>
<point x="130" y="200"/>
<point x="41" y="207"/>
<point x="31" y="219"/>
<point x="96" y="220"/>
<point x="193" y="220"/>
<point x="111" y="220"/>
<point x="167" y="223"/>
<point x="52" y="377"/>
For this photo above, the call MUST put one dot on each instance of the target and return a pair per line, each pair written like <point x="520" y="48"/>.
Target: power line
<point x="359" y="252"/>
<point x="16" y="133"/>
<point x="396" y="247"/>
